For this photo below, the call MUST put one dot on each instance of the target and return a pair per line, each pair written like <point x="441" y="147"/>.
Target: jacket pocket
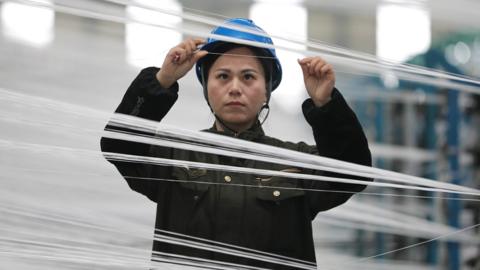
<point x="277" y="189"/>
<point x="192" y="178"/>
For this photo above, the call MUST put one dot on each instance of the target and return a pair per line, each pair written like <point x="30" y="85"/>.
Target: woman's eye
<point x="248" y="76"/>
<point x="222" y="76"/>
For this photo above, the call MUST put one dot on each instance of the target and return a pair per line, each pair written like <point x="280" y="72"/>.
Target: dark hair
<point x="222" y="47"/>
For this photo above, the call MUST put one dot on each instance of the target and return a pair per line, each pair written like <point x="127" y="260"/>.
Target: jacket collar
<point x="251" y="134"/>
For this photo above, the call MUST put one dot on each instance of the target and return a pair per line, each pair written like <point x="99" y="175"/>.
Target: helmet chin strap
<point x="264" y="107"/>
<point x="269" y="93"/>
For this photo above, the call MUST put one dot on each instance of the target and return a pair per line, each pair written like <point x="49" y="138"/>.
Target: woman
<point x="237" y="82"/>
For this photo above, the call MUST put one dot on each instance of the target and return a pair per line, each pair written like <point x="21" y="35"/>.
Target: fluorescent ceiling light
<point x="31" y="25"/>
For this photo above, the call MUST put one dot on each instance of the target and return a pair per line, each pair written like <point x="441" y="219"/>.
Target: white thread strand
<point x="404" y="72"/>
<point x="421" y="243"/>
<point x="263" y="152"/>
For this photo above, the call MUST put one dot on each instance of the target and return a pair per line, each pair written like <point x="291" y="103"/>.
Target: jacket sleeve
<point x="339" y="135"/>
<point x="147" y="99"/>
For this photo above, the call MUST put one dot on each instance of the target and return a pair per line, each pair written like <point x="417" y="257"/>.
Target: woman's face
<point x="236" y="88"/>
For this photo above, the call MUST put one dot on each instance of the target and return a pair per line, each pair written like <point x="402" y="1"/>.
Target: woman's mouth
<point x="234" y="103"/>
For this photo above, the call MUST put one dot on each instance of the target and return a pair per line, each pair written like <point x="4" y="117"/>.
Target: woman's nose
<point x="235" y="87"/>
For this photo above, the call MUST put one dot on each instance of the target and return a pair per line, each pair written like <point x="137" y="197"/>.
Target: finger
<point x="181" y="55"/>
<point x="193" y="46"/>
<point x="189" y="46"/>
<point x="176" y="58"/>
<point x="326" y="69"/>
<point x="316" y="66"/>
<point x="320" y="59"/>
<point x="311" y="66"/>
<point x="199" y="54"/>
<point x="199" y="41"/>
<point x="305" y="60"/>
<point x="175" y="54"/>
<point x="318" y="69"/>
<point x="303" y="66"/>
<point x="329" y="72"/>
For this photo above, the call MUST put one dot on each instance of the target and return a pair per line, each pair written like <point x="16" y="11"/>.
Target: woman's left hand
<point x="319" y="79"/>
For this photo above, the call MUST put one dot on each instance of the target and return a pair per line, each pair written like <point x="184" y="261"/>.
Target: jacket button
<point x="276" y="193"/>
<point x="227" y="178"/>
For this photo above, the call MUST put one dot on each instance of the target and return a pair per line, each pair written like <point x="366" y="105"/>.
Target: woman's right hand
<point x="179" y="60"/>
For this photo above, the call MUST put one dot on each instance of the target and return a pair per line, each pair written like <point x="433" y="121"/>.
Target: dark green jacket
<point x="269" y="219"/>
